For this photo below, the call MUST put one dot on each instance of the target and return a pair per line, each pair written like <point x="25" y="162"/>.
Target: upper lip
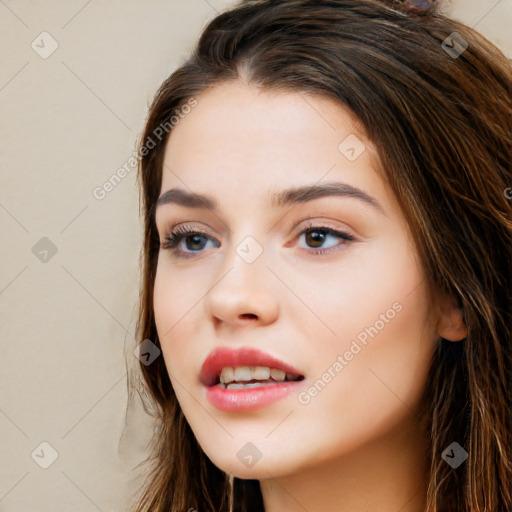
<point x="222" y="357"/>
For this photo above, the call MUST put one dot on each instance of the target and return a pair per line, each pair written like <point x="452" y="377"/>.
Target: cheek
<point x="176" y="301"/>
<point x="369" y="280"/>
<point x="178" y="294"/>
<point x="378" y="310"/>
<point x="380" y="381"/>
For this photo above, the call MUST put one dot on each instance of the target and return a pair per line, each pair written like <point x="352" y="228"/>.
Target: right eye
<point x="174" y="238"/>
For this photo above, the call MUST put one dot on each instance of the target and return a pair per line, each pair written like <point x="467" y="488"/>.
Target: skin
<point x="357" y="445"/>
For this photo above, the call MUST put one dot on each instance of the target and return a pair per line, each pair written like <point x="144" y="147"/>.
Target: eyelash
<point x="175" y="236"/>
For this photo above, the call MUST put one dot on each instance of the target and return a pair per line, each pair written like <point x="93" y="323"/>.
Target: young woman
<point x="327" y="264"/>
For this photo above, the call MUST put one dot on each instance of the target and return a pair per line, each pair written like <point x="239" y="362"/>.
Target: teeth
<point x="248" y="373"/>
<point x="277" y="374"/>
<point x="234" y="385"/>
<point x="261" y="373"/>
<point x="227" y="375"/>
<point x="243" y="373"/>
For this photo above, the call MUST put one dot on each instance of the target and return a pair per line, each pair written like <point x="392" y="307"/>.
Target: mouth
<point x="245" y="368"/>
<point x="246" y="377"/>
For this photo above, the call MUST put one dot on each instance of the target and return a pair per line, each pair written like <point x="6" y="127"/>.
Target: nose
<point x="242" y="293"/>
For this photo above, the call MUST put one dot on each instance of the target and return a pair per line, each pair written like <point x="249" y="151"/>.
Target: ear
<point x="451" y="325"/>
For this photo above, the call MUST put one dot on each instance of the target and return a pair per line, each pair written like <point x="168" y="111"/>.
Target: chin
<point x="241" y="467"/>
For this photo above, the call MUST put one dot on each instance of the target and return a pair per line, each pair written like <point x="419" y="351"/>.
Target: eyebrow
<point x="280" y="199"/>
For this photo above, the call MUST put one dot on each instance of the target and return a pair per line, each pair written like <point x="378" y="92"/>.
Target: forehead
<point x="240" y="139"/>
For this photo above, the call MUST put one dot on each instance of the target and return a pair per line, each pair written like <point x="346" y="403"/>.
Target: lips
<point x="222" y="357"/>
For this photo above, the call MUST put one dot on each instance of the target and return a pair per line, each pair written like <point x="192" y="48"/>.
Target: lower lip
<point x="250" y="398"/>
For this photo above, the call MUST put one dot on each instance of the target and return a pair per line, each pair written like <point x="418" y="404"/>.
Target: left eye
<point x="315" y="235"/>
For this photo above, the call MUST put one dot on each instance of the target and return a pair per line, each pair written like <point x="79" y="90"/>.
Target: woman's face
<point x="348" y="312"/>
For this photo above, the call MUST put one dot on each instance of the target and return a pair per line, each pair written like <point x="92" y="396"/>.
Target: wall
<point x="69" y="252"/>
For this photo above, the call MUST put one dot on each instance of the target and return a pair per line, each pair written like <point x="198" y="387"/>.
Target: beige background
<point x="68" y="122"/>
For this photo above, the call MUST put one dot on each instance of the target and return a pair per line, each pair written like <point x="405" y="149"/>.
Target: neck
<point x="387" y="475"/>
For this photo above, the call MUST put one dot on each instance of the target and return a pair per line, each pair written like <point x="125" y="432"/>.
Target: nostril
<point x="248" y="315"/>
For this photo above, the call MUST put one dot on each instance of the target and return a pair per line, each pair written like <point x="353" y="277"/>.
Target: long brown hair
<point x="439" y="114"/>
